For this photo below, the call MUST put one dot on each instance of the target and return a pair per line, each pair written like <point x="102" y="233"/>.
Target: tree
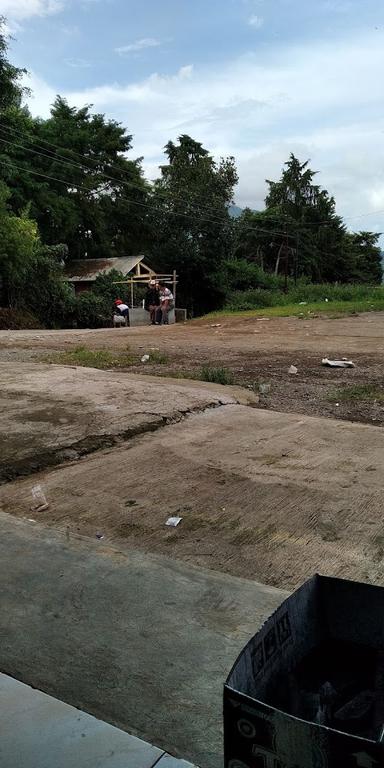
<point x="191" y="226"/>
<point x="308" y="213"/>
<point x="18" y="241"/>
<point x="88" y="194"/>
<point x="364" y="254"/>
<point x="11" y="89"/>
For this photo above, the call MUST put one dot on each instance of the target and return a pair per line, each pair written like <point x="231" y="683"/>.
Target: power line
<point x="61" y="158"/>
<point x="134" y="202"/>
<point x="76" y="186"/>
<point x="63" y="161"/>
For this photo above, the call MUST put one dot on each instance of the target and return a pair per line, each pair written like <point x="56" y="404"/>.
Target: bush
<point x="238" y="301"/>
<point x="104" y="286"/>
<point x="216" y="375"/>
<point x="42" y="291"/>
<point x="17" y="320"/>
<point x="242" y="275"/>
<point x="92" y="311"/>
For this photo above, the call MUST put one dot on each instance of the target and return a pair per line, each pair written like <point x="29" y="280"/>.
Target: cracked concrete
<point x="142" y="641"/>
<point x="50" y="414"/>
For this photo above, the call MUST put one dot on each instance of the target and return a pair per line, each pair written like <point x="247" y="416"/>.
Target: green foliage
<point x="216" y="375"/>
<point x="91" y="358"/>
<point x="17" y="320"/>
<point x="300" y="234"/>
<point x="44" y="292"/>
<point x="191" y="226"/>
<point x="242" y="275"/>
<point x="105" y="287"/>
<point x="92" y="311"/>
<point x="157" y="358"/>
<point x="18" y="244"/>
<point x="364" y="392"/>
<point x="11" y="90"/>
<point x="67" y="183"/>
<point x="313" y="294"/>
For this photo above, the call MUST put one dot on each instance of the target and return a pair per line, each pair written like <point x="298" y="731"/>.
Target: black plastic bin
<point x="308" y="690"/>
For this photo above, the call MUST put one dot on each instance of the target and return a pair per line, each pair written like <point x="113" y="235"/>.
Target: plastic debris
<point x="216" y="325"/>
<point x="292" y="370"/>
<point x="338" y="363"/>
<point x="39" y="499"/>
<point x="99" y="536"/>
<point x="145" y="358"/>
<point x="173" y="521"/>
<point x="326" y="300"/>
<point x="302" y="303"/>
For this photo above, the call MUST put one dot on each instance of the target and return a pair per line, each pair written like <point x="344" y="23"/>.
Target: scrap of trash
<point x="344" y="363"/>
<point x="39" y="499"/>
<point x="173" y="521"/>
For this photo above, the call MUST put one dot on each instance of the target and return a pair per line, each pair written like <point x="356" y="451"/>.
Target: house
<point x="81" y="274"/>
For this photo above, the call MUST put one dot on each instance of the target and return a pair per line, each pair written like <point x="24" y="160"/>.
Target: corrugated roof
<point x="89" y="269"/>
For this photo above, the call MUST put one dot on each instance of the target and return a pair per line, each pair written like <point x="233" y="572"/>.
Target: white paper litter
<point x="173" y="521"/>
<point x="338" y="363"/>
<point x="39" y="499"/>
<point x="145" y="358"/>
<point x="292" y="370"/>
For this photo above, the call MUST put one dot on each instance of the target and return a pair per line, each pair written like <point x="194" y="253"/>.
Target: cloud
<point x="77" y="63"/>
<point x="255" y="21"/>
<point x="16" y="10"/>
<point x="138" y="45"/>
<point x="320" y="100"/>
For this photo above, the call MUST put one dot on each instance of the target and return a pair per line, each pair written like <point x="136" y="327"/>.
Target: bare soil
<point x="273" y="496"/>
<point x="256" y="350"/>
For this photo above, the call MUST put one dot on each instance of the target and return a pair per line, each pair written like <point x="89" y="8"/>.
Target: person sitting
<point x="166" y="304"/>
<point x="152" y="301"/>
<point x="121" y="314"/>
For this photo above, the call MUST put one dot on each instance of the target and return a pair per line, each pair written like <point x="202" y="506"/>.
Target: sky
<point x="256" y="79"/>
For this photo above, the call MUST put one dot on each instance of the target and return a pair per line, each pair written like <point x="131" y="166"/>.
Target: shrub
<point x="216" y="375"/>
<point x="92" y="311"/>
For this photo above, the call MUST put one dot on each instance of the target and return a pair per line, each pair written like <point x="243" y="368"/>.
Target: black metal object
<point x="308" y="689"/>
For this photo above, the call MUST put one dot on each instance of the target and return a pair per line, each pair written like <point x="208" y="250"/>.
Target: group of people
<point x="158" y="302"/>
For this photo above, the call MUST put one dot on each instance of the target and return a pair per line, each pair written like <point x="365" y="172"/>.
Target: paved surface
<point x="38" y="731"/>
<point x="140" y="641"/>
<point x="270" y="496"/>
<point x="50" y="413"/>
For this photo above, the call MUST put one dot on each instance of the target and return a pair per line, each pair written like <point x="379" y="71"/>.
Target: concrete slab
<point x="270" y="496"/>
<point x="140" y="641"/>
<point x="51" y="413"/>
<point x="38" y="731"/>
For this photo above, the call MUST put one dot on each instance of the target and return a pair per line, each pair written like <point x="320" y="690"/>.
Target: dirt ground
<point x="269" y="496"/>
<point x="255" y="350"/>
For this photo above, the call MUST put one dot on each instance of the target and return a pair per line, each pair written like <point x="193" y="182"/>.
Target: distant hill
<point x="235" y="211"/>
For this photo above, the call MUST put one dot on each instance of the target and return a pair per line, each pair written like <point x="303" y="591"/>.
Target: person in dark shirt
<point x="152" y="301"/>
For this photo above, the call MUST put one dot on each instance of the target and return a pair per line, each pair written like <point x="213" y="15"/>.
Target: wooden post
<point x="131" y="293"/>
<point x="174" y="287"/>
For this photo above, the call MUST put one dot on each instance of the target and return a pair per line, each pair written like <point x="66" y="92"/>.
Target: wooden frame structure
<point x="142" y="276"/>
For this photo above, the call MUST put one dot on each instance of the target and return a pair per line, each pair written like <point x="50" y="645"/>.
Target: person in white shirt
<point x="166" y="303"/>
<point x="122" y="310"/>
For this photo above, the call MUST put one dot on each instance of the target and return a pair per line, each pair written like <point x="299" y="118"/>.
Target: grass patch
<point x="157" y="357"/>
<point x="89" y="358"/>
<point x="356" y="392"/>
<point x="341" y="307"/>
<point x="216" y="375"/>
